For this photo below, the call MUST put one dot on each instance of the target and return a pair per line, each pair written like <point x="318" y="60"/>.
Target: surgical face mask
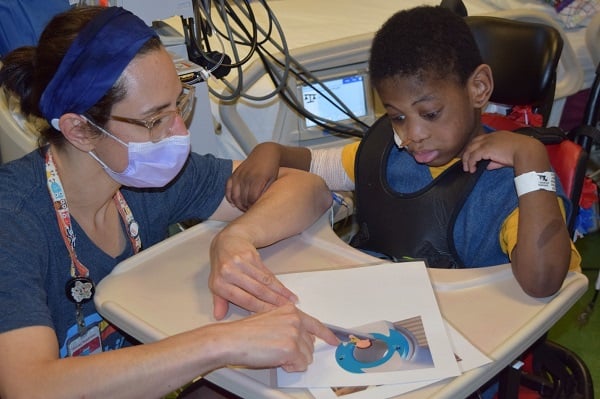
<point x="151" y="164"/>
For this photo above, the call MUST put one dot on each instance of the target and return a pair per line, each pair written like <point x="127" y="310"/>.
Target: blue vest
<point x="388" y="179"/>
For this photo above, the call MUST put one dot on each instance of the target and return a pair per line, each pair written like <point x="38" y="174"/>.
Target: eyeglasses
<point x="159" y="125"/>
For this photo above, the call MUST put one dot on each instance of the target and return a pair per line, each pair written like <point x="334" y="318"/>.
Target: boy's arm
<point x="260" y="169"/>
<point x="541" y="257"/>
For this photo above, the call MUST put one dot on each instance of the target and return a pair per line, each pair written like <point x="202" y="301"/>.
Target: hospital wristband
<point x="534" y="181"/>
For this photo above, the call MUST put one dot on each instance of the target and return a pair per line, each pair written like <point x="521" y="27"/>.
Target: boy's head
<point x="424" y="42"/>
<point x="432" y="82"/>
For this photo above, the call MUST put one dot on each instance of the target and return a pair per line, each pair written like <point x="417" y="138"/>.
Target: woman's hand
<point x="282" y="337"/>
<point x="238" y="275"/>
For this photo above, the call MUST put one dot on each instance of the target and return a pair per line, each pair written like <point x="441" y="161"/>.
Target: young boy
<point x="430" y="180"/>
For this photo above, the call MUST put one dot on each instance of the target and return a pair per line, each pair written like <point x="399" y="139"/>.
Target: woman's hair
<point x="27" y="71"/>
<point x="424" y="42"/>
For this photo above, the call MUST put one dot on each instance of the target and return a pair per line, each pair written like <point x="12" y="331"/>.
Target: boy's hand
<point x="253" y="176"/>
<point x="504" y="148"/>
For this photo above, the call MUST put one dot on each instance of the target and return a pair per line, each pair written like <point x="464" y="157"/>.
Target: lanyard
<point x="80" y="288"/>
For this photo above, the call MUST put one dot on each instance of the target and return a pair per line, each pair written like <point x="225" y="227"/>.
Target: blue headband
<point x="94" y="62"/>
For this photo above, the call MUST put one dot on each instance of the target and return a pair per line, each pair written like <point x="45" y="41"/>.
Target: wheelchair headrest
<point x="523" y="57"/>
<point x="455" y="5"/>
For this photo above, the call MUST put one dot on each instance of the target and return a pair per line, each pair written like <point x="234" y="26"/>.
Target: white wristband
<point x="534" y="181"/>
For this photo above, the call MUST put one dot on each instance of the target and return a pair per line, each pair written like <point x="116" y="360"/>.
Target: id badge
<point x="86" y="343"/>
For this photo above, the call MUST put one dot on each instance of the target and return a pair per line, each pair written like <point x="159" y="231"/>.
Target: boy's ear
<point x="481" y="85"/>
<point x="76" y="131"/>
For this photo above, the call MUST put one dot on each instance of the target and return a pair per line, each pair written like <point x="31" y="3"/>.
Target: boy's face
<point x="433" y="118"/>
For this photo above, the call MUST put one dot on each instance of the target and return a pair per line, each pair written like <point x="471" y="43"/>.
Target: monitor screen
<point x="351" y="89"/>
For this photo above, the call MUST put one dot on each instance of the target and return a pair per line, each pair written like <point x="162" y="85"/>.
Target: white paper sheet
<point x="374" y="298"/>
<point x="468" y="357"/>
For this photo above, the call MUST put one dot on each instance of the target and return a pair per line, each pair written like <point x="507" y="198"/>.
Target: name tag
<point x="87" y="343"/>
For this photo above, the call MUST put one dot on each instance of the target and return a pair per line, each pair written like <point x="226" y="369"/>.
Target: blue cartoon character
<point x="401" y="345"/>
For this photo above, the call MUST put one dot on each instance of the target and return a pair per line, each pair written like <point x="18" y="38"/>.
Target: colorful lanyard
<point x="80" y="287"/>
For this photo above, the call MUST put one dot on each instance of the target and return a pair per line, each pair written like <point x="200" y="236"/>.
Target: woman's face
<point x="433" y="118"/>
<point x="152" y="87"/>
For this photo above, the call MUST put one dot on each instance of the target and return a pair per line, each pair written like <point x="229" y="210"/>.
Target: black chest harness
<point x="417" y="225"/>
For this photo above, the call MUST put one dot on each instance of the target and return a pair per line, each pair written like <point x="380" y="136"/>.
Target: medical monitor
<point x="351" y="87"/>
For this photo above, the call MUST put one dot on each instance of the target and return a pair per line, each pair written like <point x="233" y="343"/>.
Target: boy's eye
<point x="397" y="118"/>
<point x="431" y="115"/>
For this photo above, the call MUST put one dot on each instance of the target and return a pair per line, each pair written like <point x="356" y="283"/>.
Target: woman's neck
<point x="86" y="185"/>
<point x="89" y="192"/>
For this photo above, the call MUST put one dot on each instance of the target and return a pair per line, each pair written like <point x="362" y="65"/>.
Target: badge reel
<point x="87" y="341"/>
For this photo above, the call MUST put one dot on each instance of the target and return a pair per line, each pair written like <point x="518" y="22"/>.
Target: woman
<point x="115" y="173"/>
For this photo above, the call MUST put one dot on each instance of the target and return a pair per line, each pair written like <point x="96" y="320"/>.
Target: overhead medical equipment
<point x="312" y="96"/>
<point x="329" y="102"/>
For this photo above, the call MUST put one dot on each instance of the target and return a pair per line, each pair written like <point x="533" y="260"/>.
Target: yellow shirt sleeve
<point x="508" y="237"/>
<point x="349" y="157"/>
